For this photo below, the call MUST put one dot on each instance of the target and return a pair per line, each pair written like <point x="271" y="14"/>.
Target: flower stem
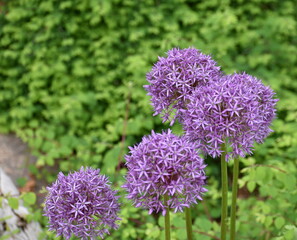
<point x="234" y="198"/>
<point x="224" y="212"/>
<point x="189" y="223"/>
<point x="167" y="218"/>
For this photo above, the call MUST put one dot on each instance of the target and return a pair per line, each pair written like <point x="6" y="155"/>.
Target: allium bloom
<point x="81" y="204"/>
<point x="164" y="164"/>
<point x="173" y="78"/>
<point x="237" y="110"/>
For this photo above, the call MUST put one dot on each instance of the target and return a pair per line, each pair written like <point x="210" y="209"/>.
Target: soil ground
<point x="15" y="159"/>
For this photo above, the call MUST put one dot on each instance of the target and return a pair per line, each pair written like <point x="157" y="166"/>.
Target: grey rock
<point x="12" y="221"/>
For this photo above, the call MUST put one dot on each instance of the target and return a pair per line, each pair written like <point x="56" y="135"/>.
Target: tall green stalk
<point x="167" y="218"/>
<point x="189" y="223"/>
<point x="224" y="212"/>
<point x="234" y="198"/>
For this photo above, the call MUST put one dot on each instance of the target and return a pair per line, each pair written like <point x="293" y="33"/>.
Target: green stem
<point x="234" y="198"/>
<point x="167" y="218"/>
<point x="189" y="223"/>
<point x="224" y="206"/>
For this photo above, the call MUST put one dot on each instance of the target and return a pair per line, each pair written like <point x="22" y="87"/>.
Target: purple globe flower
<point x="237" y="110"/>
<point x="164" y="164"/>
<point x="173" y="78"/>
<point x="81" y="204"/>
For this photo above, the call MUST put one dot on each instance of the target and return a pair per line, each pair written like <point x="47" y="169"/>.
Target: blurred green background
<point x="71" y="86"/>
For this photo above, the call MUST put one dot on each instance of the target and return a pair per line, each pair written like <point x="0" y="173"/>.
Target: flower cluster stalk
<point x="224" y="212"/>
<point x="189" y="223"/>
<point x="234" y="198"/>
<point x="167" y="218"/>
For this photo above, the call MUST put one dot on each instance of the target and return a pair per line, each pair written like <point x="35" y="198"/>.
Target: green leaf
<point x="29" y="198"/>
<point x="261" y="173"/>
<point x="268" y="221"/>
<point x="290" y="232"/>
<point x="111" y="160"/>
<point x="152" y="231"/>
<point x="50" y="134"/>
<point x="279" y="222"/>
<point x="95" y="217"/>
<point x="266" y="209"/>
<point x="21" y="181"/>
<point x="290" y="182"/>
<point x="251" y="186"/>
<point x="289" y="235"/>
<point x="180" y="234"/>
<point x="49" y="160"/>
<point x="203" y="224"/>
<point x="161" y="220"/>
<point x="13" y="202"/>
<point x="178" y="222"/>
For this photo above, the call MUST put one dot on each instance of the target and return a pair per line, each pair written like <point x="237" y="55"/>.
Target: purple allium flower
<point x="164" y="164"/>
<point x="173" y="78"/>
<point x="237" y="110"/>
<point x="81" y="204"/>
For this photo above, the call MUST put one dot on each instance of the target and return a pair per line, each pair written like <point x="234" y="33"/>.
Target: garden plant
<point x="222" y="115"/>
<point x="219" y="160"/>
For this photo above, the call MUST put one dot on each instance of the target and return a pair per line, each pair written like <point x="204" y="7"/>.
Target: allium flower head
<point x="81" y="204"/>
<point x="176" y="76"/>
<point x="237" y="110"/>
<point x="164" y="164"/>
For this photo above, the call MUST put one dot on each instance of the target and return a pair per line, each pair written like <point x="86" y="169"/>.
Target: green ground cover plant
<point x="71" y="86"/>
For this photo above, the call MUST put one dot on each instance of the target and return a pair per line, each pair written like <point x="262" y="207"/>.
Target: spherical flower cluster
<point x="164" y="164"/>
<point x="81" y="204"/>
<point x="173" y="78"/>
<point x="237" y="110"/>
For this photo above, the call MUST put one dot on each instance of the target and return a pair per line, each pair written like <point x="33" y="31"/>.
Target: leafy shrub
<point x="71" y="87"/>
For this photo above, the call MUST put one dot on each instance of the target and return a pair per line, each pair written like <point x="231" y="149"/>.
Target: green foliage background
<point x="72" y="73"/>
